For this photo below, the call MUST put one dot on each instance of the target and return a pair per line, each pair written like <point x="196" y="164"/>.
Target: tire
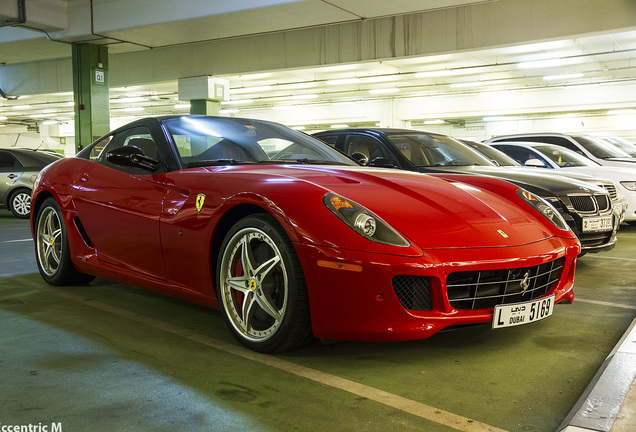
<point x="51" y="248"/>
<point x="266" y="306"/>
<point x="20" y="203"/>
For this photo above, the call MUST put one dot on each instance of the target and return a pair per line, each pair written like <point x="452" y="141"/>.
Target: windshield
<point x="600" y="149"/>
<point x="621" y="143"/>
<point x="428" y="150"/>
<point x="499" y="157"/>
<point x="204" y="141"/>
<point x="564" y="157"/>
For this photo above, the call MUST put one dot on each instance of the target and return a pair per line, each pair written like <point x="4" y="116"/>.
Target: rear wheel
<point x="52" y="250"/>
<point x="261" y="287"/>
<point x="20" y="203"/>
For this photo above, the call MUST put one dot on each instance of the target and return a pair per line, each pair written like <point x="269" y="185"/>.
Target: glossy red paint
<point x="146" y="230"/>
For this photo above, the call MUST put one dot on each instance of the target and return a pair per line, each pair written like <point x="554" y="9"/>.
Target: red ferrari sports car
<point x="292" y="240"/>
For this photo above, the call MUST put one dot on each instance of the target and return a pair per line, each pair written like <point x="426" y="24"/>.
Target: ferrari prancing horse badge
<point x="200" y="201"/>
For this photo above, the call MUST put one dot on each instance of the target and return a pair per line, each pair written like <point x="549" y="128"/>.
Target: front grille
<point x="469" y="290"/>
<point x="413" y="292"/>
<point x="603" y="202"/>
<point x="583" y="203"/>
<point x="595" y="238"/>
<point x="611" y="190"/>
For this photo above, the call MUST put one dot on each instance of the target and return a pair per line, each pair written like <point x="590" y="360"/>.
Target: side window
<point x="8" y="162"/>
<point x="331" y="140"/>
<point x="519" y="154"/>
<point x="563" y="142"/>
<point x="139" y="137"/>
<point x="369" y="147"/>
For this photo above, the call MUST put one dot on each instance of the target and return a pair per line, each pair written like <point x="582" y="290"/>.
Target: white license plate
<point x="522" y="313"/>
<point x="603" y="223"/>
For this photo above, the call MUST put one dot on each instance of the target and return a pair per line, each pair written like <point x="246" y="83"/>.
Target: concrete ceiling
<point x="125" y="26"/>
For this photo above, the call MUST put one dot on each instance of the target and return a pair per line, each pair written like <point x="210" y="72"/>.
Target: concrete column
<point x="90" y="93"/>
<point x="205" y="107"/>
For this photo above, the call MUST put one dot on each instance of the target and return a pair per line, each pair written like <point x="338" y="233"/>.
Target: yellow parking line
<point x="409" y="406"/>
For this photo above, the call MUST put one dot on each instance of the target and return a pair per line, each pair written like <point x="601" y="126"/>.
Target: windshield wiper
<point x="217" y="162"/>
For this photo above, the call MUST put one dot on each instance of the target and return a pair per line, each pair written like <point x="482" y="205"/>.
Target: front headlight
<point x="629" y="185"/>
<point x="545" y="208"/>
<point x="363" y="221"/>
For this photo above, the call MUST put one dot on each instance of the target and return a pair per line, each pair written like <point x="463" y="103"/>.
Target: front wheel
<point x="261" y="287"/>
<point x="51" y="248"/>
<point x="20" y="203"/>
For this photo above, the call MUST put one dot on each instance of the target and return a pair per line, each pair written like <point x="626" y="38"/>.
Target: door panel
<point x="120" y="212"/>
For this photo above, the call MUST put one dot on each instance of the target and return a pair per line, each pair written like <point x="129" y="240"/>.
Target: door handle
<point x="12" y="176"/>
<point x="84" y="177"/>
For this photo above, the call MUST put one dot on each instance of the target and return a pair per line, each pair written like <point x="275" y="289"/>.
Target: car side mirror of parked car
<point x="381" y="162"/>
<point x="535" y="163"/>
<point x="361" y="158"/>
<point x="131" y="156"/>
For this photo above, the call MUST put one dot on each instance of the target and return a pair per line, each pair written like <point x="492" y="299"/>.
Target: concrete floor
<point x="109" y="357"/>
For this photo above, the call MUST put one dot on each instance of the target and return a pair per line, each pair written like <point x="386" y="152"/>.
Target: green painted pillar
<point x="90" y="93"/>
<point x="205" y="107"/>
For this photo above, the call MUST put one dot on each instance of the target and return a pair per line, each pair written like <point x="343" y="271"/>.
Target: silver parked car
<point x="18" y="169"/>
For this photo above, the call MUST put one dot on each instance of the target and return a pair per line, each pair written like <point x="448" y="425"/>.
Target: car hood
<point x="431" y="212"/>
<point x="616" y="174"/>
<point x="542" y="183"/>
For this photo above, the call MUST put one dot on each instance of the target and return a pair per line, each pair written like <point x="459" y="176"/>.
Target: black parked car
<point x="18" y="169"/>
<point x="586" y="207"/>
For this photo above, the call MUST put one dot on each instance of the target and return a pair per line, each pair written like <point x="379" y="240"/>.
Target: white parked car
<point x="627" y="146"/>
<point x="556" y="157"/>
<point x="591" y="147"/>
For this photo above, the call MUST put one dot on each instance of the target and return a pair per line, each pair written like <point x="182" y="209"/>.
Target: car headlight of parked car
<point x="363" y="221"/>
<point x="545" y="208"/>
<point x="629" y="185"/>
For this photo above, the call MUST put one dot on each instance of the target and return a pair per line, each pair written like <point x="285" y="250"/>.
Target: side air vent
<point x="82" y="231"/>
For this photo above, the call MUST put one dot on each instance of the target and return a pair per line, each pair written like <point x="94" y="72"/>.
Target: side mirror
<point x="131" y="156"/>
<point x="382" y="162"/>
<point x="535" y="163"/>
<point x="361" y="158"/>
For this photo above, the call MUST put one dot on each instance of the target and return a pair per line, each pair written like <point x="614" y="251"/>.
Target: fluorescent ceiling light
<point x="4" y="118"/>
<point x="562" y="76"/>
<point x="384" y="90"/>
<point x="133" y="109"/>
<point x="299" y="127"/>
<point x="622" y="111"/>
<point x="21" y="107"/>
<point x="467" y="84"/>
<point x="339" y="126"/>
<point x="538" y="64"/>
<point x="495" y="118"/>
<point x="182" y="106"/>
<point x="229" y="111"/>
<point x="49" y="122"/>
<point x="433" y="122"/>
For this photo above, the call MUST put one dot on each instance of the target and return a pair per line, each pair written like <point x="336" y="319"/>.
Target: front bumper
<point x="355" y="298"/>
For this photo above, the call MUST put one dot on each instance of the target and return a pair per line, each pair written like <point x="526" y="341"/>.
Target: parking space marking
<point x="614" y="258"/>
<point x="409" y="406"/>
<point x="604" y="303"/>
<point x="16" y="241"/>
